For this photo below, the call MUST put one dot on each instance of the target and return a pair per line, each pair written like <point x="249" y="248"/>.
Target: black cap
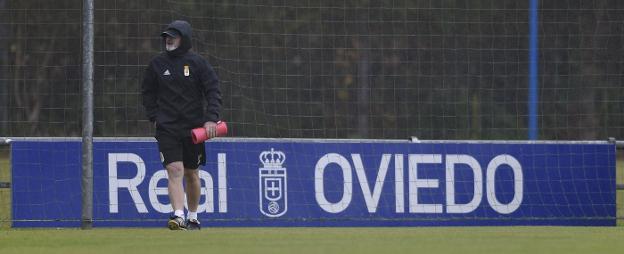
<point x="171" y="33"/>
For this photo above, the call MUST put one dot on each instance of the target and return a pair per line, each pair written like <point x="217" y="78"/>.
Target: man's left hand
<point x="211" y="129"/>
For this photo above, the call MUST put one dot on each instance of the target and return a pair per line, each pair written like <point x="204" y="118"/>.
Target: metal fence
<point x="328" y="69"/>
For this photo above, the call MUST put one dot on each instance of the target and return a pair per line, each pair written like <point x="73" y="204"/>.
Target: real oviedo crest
<point x="272" y="184"/>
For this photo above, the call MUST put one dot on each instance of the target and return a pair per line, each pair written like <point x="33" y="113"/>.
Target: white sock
<point x="192" y="215"/>
<point x="179" y="213"/>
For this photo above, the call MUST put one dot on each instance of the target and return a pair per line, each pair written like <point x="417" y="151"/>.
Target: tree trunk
<point x="363" y="88"/>
<point x="4" y="87"/>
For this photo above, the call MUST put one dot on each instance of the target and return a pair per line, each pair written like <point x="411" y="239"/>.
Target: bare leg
<point x="193" y="188"/>
<point x="175" y="172"/>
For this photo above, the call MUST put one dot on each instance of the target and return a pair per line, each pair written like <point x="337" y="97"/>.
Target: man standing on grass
<point x="181" y="92"/>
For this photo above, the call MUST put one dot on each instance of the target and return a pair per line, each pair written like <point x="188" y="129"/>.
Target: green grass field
<point x="465" y="240"/>
<point x="5" y="194"/>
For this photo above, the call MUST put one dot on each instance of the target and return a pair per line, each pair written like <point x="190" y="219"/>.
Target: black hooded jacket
<point x="180" y="89"/>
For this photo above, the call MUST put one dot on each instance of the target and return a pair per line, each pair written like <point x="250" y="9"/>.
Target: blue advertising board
<point x="268" y="182"/>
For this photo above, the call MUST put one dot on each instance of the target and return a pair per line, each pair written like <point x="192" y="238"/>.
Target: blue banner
<point x="325" y="183"/>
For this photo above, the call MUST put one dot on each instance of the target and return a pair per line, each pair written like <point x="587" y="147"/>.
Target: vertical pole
<point x="533" y="72"/>
<point x="87" y="115"/>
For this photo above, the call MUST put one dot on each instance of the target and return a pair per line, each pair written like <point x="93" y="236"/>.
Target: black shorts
<point x="174" y="149"/>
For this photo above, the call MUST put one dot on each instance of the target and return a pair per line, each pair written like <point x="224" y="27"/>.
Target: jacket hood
<point x="186" y="32"/>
